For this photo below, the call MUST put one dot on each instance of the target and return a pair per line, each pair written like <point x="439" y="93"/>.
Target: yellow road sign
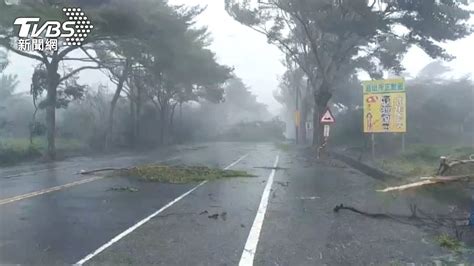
<point x="385" y="106"/>
<point x="297" y="118"/>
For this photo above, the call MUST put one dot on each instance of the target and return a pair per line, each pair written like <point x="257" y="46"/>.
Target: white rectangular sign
<point x="326" y="130"/>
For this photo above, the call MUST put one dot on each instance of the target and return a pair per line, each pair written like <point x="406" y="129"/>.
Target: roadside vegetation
<point x="142" y="103"/>
<point x="449" y="242"/>
<point x="424" y="160"/>
<point x="14" y="150"/>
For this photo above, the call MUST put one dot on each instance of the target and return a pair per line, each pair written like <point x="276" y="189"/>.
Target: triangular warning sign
<point x="328" y="118"/>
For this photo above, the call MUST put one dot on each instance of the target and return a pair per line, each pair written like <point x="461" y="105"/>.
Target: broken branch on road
<point x="428" y="181"/>
<point x="418" y="217"/>
<point x="271" y="168"/>
<point x="83" y="172"/>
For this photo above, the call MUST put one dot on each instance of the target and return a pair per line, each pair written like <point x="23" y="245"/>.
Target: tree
<point x="293" y="93"/>
<point x="8" y="84"/>
<point x="109" y="26"/>
<point x="3" y="60"/>
<point x="241" y="105"/>
<point x="358" y="34"/>
<point x="51" y="61"/>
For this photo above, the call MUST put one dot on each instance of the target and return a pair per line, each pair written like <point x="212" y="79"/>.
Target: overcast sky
<point x="255" y="61"/>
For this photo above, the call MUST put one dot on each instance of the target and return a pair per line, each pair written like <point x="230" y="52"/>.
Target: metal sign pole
<point x="373" y="146"/>
<point x="403" y="142"/>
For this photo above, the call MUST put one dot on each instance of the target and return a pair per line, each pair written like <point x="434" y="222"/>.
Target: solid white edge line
<point x="142" y="222"/>
<point x="250" y="248"/>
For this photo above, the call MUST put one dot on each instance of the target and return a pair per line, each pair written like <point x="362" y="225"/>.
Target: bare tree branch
<point x="77" y="70"/>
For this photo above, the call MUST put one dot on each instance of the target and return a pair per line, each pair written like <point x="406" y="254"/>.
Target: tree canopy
<point x="330" y="39"/>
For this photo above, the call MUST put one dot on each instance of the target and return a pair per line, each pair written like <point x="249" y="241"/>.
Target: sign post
<point x="385" y="108"/>
<point x="326" y="120"/>
<point x="297" y="125"/>
<point x="326" y="131"/>
<point x="403" y="142"/>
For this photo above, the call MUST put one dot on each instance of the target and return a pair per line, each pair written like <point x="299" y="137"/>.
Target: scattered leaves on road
<point x="215" y="216"/>
<point x="283" y="184"/>
<point x="179" y="174"/>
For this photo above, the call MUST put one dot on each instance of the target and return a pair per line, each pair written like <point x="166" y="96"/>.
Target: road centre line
<point x="36" y="172"/>
<point x="148" y="218"/>
<point x="57" y="188"/>
<point x="250" y="248"/>
<point x="48" y="190"/>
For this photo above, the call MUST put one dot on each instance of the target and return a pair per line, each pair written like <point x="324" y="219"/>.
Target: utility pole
<point x="297" y="115"/>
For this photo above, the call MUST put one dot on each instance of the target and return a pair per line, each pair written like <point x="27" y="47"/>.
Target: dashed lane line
<point x="148" y="218"/>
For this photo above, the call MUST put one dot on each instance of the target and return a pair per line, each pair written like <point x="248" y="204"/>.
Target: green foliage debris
<point x="179" y="174"/>
<point x="123" y="189"/>
<point x="449" y="242"/>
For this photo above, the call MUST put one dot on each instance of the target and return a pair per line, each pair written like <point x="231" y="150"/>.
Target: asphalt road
<point x="49" y="215"/>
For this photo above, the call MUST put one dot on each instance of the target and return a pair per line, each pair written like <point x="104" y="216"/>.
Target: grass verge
<point x="16" y="150"/>
<point x="422" y="160"/>
<point x="179" y="174"/>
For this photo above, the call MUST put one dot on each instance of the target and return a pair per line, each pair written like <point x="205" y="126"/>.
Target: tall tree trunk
<point x="171" y="127"/>
<point x="163" y="123"/>
<point x="33" y="125"/>
<point x="302" y="126"/>
<point x="53" y="82"/>
<point x="138" y="106"/>
<point x="113" y="104"/>
<point x="180" y="122"/>
<point x="133" y="117"/>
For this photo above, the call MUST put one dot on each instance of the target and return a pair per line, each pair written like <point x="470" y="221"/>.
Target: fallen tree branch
<point x="445" y="164"/>
<point x="271" y="168"/>
<point x="373" y="215"/>
<point x="416" y="214"/>
<point x="83" y="172"/>
<point x="428" y="181"/>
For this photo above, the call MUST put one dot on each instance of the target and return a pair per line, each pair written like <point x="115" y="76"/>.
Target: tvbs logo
<point x="36" y="37"/>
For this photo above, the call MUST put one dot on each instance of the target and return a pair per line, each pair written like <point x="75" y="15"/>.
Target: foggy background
<point x="257" y="62"/>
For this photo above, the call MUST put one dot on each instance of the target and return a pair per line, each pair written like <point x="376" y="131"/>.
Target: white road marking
<point x="37" y="171"/>
<point x="250" y="248"/>
<point x="142" y="222"/>
<point x="53" y="189"/>
<point x="48" y="190"/>
<point x="236" y="162"/>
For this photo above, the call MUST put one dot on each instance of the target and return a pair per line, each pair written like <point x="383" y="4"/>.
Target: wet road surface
<point x="279" y="217"/>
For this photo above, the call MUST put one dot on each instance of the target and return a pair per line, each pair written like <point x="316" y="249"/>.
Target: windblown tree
<point x="241" y="105"/>
<point x="8" y="84"/>
<point x="109" y="26"/>
<point x="51" y="62"/>
<point x="325" y="36"/>
<point x="131" y="27"/>
<point x="191" y="75"/>
<point x="294" y="93"/>
<point x="173" y="65"/>
<point x="3" y="60"/>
